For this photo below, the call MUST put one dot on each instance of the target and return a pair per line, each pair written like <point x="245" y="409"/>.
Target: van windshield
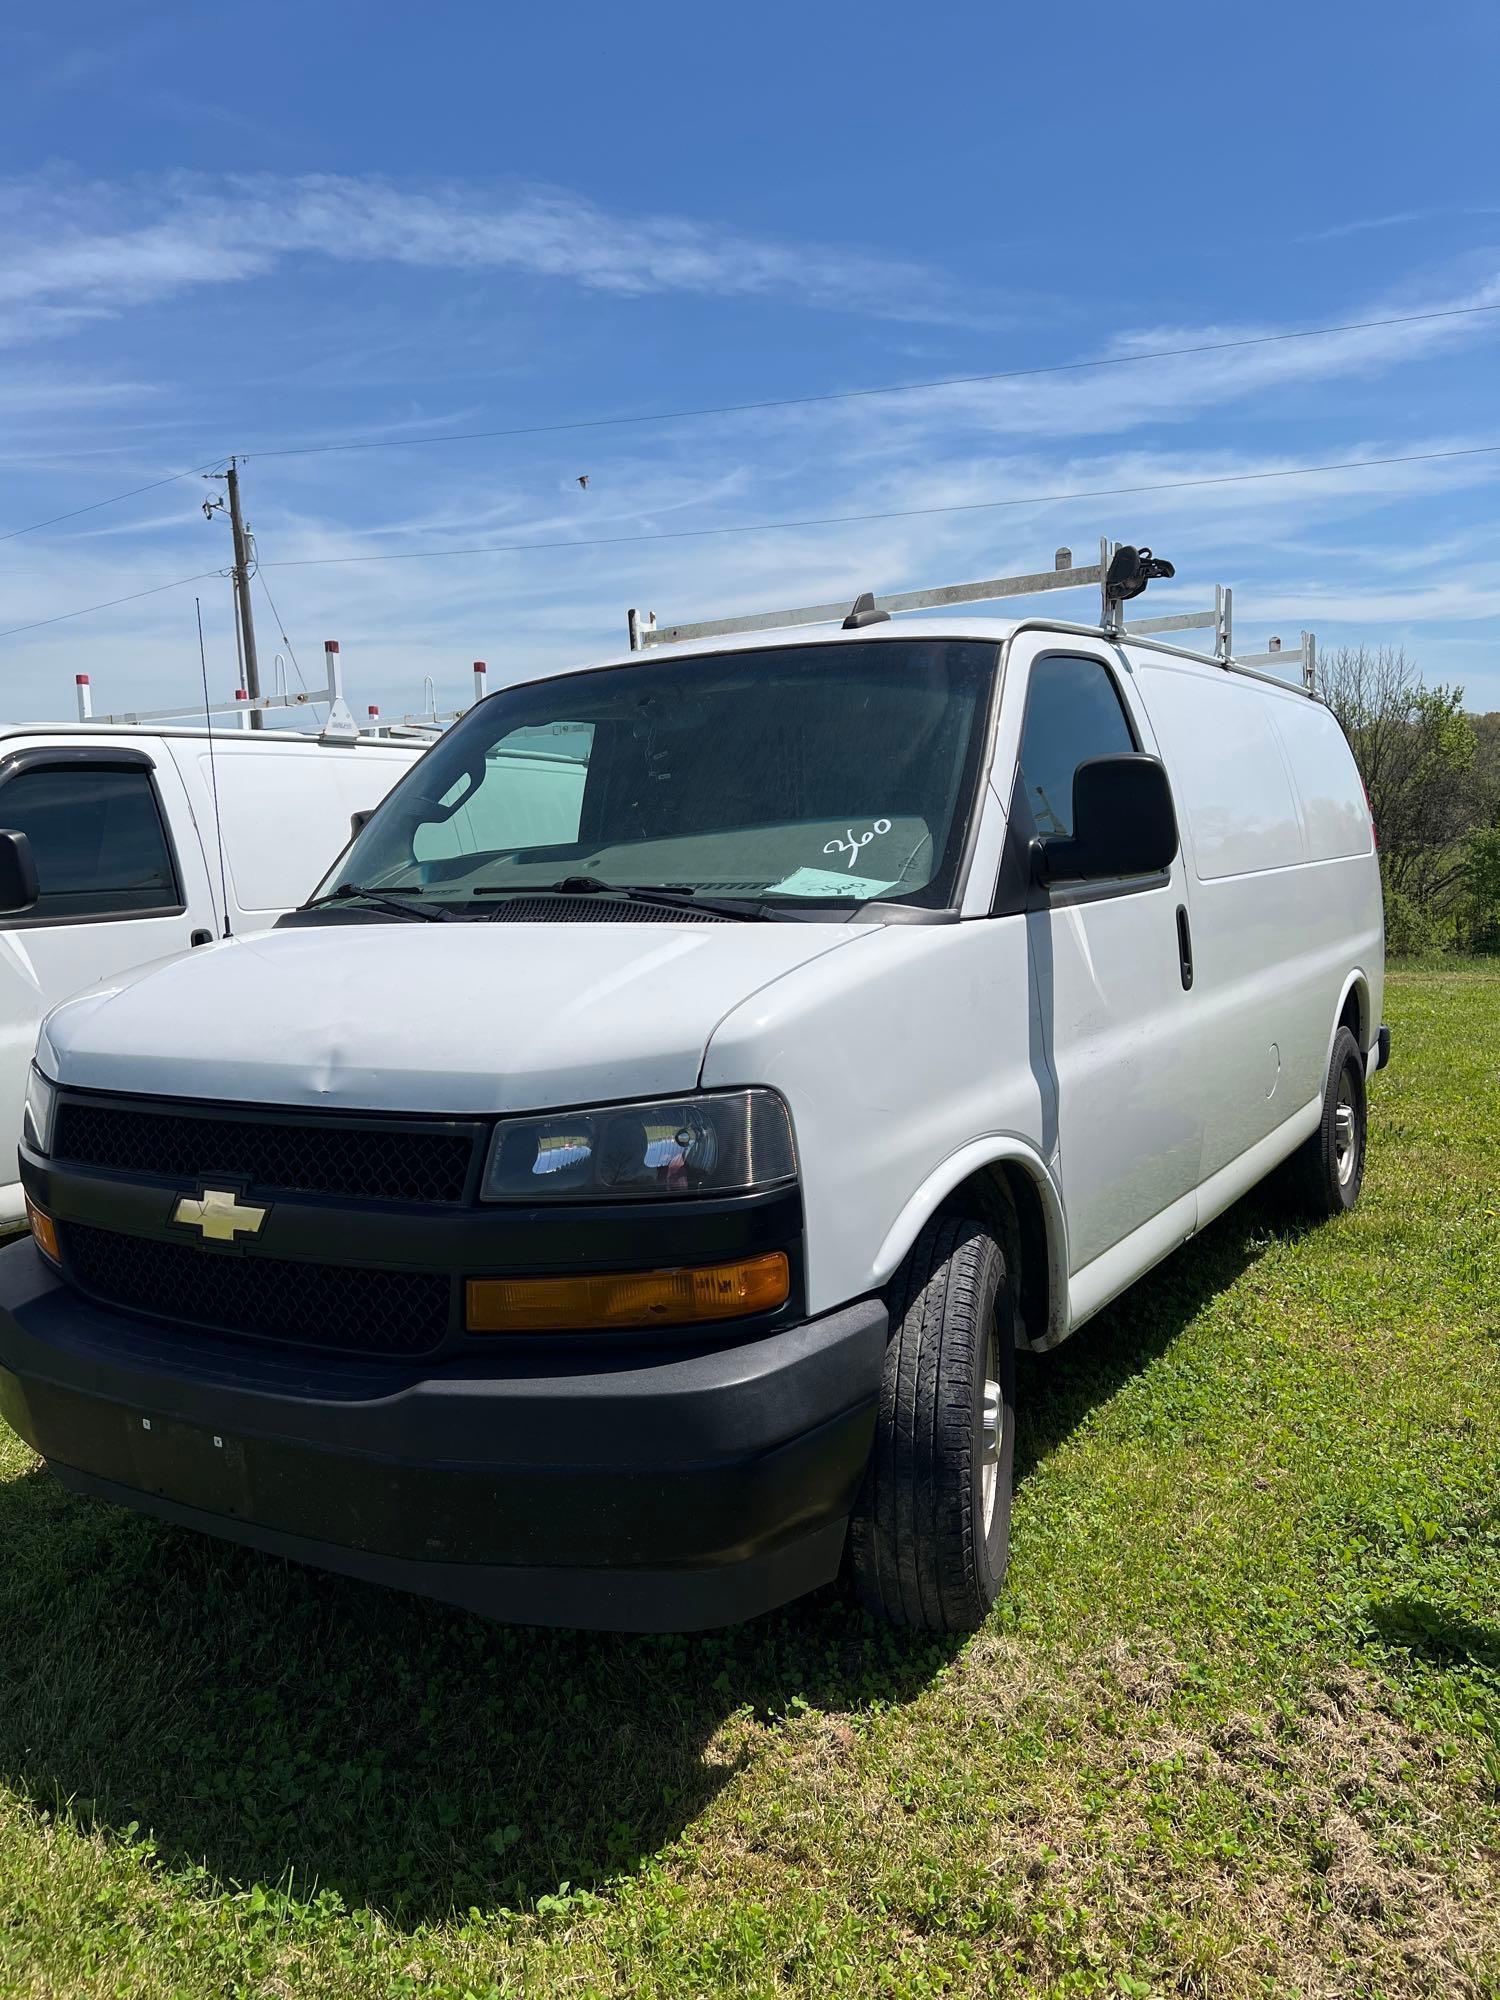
<point x="822" y="774"/>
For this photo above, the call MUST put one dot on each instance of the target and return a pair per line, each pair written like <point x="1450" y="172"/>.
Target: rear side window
<point x="97" y="839"/>
<point x="1073" y="712"/>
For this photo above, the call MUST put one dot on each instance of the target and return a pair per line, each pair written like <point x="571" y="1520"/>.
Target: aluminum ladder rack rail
<point x="339" y="728"/>
<point x="1064" y="575"/>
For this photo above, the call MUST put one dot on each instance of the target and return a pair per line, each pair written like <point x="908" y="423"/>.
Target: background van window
<point x="97" y="840"/>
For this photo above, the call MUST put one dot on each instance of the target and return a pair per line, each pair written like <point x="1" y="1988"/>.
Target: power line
<point x="894" y="513"/>
<point x="889" y="389"/>
<point x="815" y="521"/>
<point x="776" y="402"/>
<point x="170" y="479"/>
<point x="281" y="628"/>
<point x="109" y="604"/>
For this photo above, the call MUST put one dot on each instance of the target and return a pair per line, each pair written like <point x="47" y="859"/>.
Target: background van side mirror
<point x="357" y="821"/>
<point x="18" y="884"/>
<point x="1123" y="823"/>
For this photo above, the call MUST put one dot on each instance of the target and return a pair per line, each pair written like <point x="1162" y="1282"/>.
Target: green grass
<point x="1234" y="1730"/>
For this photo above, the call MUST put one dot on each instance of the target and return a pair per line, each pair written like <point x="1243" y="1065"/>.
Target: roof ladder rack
<point x="1064" y="575"/>
<point x="1274" y="656"/>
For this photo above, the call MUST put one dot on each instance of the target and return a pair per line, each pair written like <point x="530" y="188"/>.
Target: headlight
<point x="36" y="1120"/>
<point x="724" y="1144"/>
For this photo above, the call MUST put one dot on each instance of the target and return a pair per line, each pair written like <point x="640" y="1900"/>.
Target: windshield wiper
<point x="669" y="895"/>
<point x="383" y="899"/>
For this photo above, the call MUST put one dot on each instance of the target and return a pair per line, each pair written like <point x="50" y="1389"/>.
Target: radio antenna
<point x="213" y="769"/>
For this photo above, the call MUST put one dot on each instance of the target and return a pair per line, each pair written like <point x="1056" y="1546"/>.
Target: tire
<point x="930" y="1531"/>
<point x="1326" y="1173"/>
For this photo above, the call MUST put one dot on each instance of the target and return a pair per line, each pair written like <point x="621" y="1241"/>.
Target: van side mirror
<point x="1124" y="823"/>
<point x="19" y="888"/>
<point x="357" y="821"/>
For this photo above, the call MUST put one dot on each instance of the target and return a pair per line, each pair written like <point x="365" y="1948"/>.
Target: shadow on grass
<point x="262" y="1720"/>
<point x="1442" y="1637"/>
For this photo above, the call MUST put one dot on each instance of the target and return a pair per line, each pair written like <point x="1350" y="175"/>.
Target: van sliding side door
<point x="1108" y="969"/>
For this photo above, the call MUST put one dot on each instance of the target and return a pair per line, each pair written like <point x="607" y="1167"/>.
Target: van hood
<point x="460" y="1018"/>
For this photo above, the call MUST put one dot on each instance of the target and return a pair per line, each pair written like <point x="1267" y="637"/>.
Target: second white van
<point x="122" y="828"/>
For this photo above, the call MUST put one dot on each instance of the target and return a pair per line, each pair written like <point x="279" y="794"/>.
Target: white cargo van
<point x="695" y="1082"/>
<point x="119" y="826"/>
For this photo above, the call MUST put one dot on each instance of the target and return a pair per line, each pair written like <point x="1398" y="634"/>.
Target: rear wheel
<point x="1327" y="1171"/>
<point x="931" y="1529"/>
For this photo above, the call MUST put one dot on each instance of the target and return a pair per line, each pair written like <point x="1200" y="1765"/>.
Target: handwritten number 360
<point x="853" y="842"/>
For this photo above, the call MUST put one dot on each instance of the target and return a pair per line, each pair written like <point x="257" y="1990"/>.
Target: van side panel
<point x="1228" y="772"/>
<point x="285" y="811"/>
<point x="1334" y="812"/>
<point x="1278" y="923"/>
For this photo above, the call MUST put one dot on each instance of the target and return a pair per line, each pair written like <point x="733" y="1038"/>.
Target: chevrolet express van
<point x="618" y="1200"/>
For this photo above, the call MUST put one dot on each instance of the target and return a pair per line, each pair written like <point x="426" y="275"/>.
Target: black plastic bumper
<point x="566" y="1482"/>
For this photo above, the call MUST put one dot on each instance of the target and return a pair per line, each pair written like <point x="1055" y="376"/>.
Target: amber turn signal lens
<point x="44" y="1229"/>
<point x="628" y="1298"/>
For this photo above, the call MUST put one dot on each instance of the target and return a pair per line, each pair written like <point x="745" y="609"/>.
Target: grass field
<point x="1234" y="1731"/>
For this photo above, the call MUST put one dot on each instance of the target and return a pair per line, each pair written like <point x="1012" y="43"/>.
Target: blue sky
<point x="229" y="231"/>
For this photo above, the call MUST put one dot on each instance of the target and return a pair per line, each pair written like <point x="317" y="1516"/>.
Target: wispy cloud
<point x="1401" y="219"/>
<point x="1363" y="223"/>
<point x="1111" y="400"/>
<point x="72" y="250"/>
<point x="1319" y="551"/>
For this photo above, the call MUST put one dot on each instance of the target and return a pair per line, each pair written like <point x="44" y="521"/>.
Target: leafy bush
<point x="1409" y="931"/>
<point x="1479" y="922"/>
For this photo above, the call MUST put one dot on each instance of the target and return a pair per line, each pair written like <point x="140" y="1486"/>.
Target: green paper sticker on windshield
<point x="827" y="882"/>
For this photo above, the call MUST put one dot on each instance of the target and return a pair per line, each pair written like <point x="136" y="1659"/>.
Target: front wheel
<point x="931" y="1529"/>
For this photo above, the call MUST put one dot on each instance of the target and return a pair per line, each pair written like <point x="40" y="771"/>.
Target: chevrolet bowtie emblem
<point x="220" y="1215"/>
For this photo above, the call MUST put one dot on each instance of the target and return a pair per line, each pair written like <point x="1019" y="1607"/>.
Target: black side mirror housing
<point x="357" y="821"/>
<point x="1124" y="823"/>
<point x="19" y="888"/>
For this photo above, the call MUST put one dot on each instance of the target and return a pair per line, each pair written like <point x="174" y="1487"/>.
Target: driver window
<point x="1073" y="712"/>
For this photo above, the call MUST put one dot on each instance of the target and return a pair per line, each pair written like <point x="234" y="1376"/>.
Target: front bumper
<point x="646" y="1486"/>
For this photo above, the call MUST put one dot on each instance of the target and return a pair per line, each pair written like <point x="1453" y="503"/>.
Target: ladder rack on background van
<point x="1064" y="575"/>
<point x="339" y="728"/>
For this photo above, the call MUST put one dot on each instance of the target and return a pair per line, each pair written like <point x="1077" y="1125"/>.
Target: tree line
<point x="1432" y="772"/>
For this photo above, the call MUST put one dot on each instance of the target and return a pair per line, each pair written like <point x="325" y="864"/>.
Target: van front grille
<point x="349" y="1311"/>
<point x="290" y="1156"/>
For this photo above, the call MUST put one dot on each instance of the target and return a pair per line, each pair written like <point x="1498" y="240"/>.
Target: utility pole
<point x="241" y="575"/>
<point x="242" y="596"/>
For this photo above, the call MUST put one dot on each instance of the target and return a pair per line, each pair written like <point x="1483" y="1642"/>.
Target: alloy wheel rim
<point x="1345" y="1132"/>
<point x="991" y="1432"/>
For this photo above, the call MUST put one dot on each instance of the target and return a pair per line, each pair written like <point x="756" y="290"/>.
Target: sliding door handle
<point x="1184" y="947"/>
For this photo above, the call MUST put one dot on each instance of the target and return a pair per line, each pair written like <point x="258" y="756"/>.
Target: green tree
<point x="1416" y="751"/>
<point x="1481" y="912"/>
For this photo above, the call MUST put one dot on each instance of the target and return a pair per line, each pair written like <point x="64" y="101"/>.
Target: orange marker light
<point x="44" y="1229"/>
<point x="628" y="1298"/>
